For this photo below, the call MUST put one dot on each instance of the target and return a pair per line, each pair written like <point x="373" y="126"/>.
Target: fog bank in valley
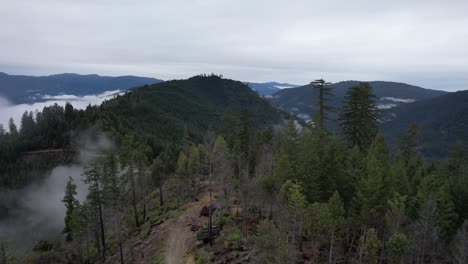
<point x="8" y="109"/>
<point x="36" y="212"/>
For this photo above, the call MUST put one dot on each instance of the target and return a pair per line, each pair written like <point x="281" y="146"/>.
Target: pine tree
<point x="158" y="172"/>
<point x="269" y="244"/>
<point x="425" y="232"/>
<point x="222" y="167"/>
<point x="456" y="170"/>
<point x="12" y="127"/>
<point x="409" y="144"/>
<point x="287" y="162"/>
<point x="372" y="191"/>
<point x="336" y="222"/>
<point x="399" y="181"/>
<point x="460" y="245"/>
<point x="70" y="203"/>
<point x="324" y="96"/>
<point x="395" y="216"/>
<point x="93" y="177"/>
<point x="193" y="165"/>
<point x="27" y="125"/>
<point x="354" y="170"/>
<point x="295" y="204"/>
<point x="114" y="196"/>
<point x="359" y="116"/>
<point x="372" y="246"/>
<point x="435" y="187"/>
<point x="182" y="170"/>
<point x="316" y="226"/>
<point x="3" y="255"/>
<point x="79" y="228"/>
<point x="331" y="170"/>
<point x="397" y="246"/>
<point x="242" y="144"/>
<point x="127" y="159"/>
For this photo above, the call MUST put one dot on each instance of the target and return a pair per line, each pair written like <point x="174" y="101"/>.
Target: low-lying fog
<point x="36" y="212"/>
<point x="7" y="109"/>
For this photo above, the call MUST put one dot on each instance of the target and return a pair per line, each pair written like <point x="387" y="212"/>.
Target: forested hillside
<point x="442" y="121"/>
<point x="158" y="115"/>
<point x="301" y="101"/>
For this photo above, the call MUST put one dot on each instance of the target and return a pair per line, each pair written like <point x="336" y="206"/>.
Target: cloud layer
<point x="420" y="42"/>
<point x="8" y="109"/>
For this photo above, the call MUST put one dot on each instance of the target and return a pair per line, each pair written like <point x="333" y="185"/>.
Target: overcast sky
<point x="420" y="42"/>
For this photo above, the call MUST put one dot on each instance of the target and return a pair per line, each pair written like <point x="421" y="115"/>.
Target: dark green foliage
<point x="270" y="244"/>
<point x="409" y="143"/>
<point x="43" y="246"/>
<point x="302" y="101"/>
<point x="164" y="110"/>
<point x="70" y="203"/>
<point x="372" y="246"/>
<point x="456" y="170"/>
<point x="359" y="116"/>
<point x="348" y="202"/>
<point x="397" y="246"/>
<point x="442" y="121"/>
<point x="156" y="116"/>
<point x="3" y="254"/>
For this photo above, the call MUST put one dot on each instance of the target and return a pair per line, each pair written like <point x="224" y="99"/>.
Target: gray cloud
<point x="420" y="42"/>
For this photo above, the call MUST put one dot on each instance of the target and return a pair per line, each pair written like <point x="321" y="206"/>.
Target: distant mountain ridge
<point x="27" y="89"/>
<point x="269" y="88"/>
<point x="301" y="101"/>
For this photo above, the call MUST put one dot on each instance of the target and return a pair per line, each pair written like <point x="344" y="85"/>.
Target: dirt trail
<point x="180" y="238"/>
<point x="173" y="237"/>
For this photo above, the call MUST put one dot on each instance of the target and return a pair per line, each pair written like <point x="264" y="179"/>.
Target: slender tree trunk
<point x="350" y="247"/>
<point x="103" y="236"/>
<point x="121" y="253"/>
<point x="144" y="209"/>
<point x="161" y="201"/>
<point x="332" y="241"/>
<point x="210" y="225"/>
<point x="135" y="210"/>
<point x="96" y="237"/>
<point x="87" y="248"/>
<point x="270" y="216"/>
<point x="81" y="249"/>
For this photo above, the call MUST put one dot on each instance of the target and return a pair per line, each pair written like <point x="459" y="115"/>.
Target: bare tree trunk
<point x="121" y="253"/>
<point x="103" y="236"/>
<point x="161" y="201"/>
<point x="132" y="183"/>
<point x="332" y="241"/>
<point x="350" y="247"/>
<point x="210" y="208"/>
<point x="270" y="216"/>
<point x="87" y="247"/>
<point x="144" y="209"/>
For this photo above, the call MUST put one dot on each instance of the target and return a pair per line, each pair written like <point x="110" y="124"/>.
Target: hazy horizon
<point x="419" y="42"/>
<point x="245" y="81"/>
